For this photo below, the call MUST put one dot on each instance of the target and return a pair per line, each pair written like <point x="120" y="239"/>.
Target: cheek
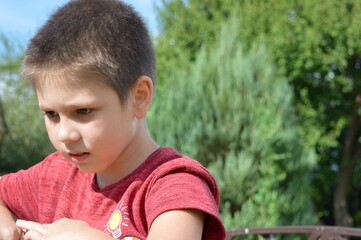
<point x="111" y="133"/>
<point x="106" y="135"/>
<point x="96" y="135"/>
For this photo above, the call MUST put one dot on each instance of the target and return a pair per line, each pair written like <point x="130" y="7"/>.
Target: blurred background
<point x="265" y="94"/>
<point x="20" y="19"/>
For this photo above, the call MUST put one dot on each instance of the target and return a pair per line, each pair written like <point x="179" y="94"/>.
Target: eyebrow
<point x="71" y="106"/>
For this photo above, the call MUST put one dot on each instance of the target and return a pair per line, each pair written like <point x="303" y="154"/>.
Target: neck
<point x="132" y="157"/>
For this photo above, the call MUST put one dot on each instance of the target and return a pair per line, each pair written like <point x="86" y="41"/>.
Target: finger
<point x="22" y="237"/>
<point x="30" y="225"/>
<point x="33" y="235"/>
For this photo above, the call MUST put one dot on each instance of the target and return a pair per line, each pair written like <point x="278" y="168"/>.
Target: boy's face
<point x="87" y="123"/>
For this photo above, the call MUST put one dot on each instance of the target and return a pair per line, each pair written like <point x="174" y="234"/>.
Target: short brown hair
<point x="106" y="37"/>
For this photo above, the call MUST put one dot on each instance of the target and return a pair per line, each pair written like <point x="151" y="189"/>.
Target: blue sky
<point x="20" y="19"/>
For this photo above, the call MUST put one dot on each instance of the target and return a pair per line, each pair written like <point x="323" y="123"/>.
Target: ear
<point x="142" y="96"/>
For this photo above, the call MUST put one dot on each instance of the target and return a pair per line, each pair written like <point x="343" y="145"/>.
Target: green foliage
<point x="26" y="141"/>
<point x="230" y="111"/>
<point x="317" y="46"/>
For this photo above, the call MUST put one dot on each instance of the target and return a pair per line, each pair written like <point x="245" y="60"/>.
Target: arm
<point x="172" y="225"/>
<point x="63" y="229"/>
<point x="8" y="228"/>
<point x="178" y="225"/>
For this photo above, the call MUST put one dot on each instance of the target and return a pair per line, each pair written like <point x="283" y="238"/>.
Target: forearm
<point x="8" y="228"/>
<point x="59" y="230"/>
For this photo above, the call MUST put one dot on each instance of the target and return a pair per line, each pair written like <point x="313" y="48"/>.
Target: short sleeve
<point x="187" y="188"/>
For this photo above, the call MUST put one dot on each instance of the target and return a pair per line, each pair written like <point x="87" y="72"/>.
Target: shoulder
<point x="57" y="161"/>
<point x="183" y="183"/>
<point x="180" y="178"/>
<point x="180" y="168"/>
<point x="53" y="161"/>
<point x="56" y="158"/>
<point x="168" y="159"/>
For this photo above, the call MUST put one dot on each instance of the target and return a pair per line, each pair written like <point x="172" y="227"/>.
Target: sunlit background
<point x="20" y="19"/>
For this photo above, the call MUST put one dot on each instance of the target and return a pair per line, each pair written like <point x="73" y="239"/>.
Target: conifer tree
<point x="316" y="45"/>
<point x="233" y="113"/>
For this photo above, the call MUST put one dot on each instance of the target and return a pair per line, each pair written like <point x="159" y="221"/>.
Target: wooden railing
<point x="312" y="232"/>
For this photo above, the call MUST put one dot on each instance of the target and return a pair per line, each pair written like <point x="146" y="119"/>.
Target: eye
<point x="84" y="111"/>
<point x="51" y="114"/>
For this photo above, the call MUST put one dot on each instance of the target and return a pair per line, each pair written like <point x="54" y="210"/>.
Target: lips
<point x="79" y="157"/>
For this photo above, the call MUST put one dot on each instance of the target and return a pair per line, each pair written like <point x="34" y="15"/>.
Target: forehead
<point x="73" y="79"/>
<point x="62" y="95"/>
<point x="70" y="89"/>
<point x="63" y="80"/>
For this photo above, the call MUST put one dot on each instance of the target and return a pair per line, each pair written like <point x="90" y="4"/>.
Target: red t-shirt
<point x="56" y="188"/>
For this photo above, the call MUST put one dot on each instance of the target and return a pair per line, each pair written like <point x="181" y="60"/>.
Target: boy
<point x="92" y="67"/>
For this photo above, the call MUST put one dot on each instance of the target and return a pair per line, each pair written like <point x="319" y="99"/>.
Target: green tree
<point x="26" y="141"/>
<point x="231" y="112"/>
<point x="317" y="46"/>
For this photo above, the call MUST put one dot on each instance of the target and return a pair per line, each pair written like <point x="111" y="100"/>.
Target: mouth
<point x="79" y="157"/>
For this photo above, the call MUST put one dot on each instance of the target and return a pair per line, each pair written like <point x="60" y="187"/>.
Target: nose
<point x="67" y="131"/>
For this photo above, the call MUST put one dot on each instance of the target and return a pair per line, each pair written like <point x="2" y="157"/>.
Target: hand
<point x="8" y="228"/>
<point x="10" y="233"/>
<point x="61" y="229"/>
<point x="64" y="228"/>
